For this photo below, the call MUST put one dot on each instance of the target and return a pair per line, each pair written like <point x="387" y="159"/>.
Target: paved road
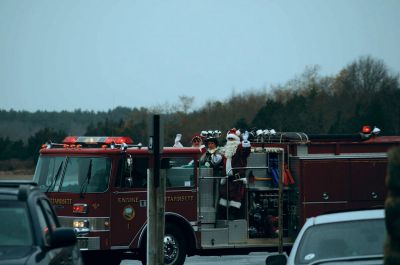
<point x="256" y="258"/>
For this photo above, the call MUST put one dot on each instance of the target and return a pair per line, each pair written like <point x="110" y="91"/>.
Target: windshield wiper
<point x="86" y="181"/>
<point x="55" y="177"/>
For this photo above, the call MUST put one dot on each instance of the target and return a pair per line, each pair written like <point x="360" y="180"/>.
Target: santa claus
<point x="232" y="187"/>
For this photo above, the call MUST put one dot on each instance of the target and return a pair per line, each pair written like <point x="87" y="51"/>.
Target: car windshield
<point x="342" y="239"/>
<point x="15" y="229"/>
<point x="72" y="174"/>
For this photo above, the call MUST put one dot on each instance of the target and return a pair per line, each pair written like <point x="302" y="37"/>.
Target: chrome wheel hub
<point x="171" y="249"/>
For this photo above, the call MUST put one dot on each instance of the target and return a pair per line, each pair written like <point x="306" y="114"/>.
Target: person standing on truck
<point x="197" y="141"/>
<point x="212" y="158"/>
<point x="232" y="188"/>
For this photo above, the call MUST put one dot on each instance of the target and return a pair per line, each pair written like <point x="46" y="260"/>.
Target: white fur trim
<point x="235" y="204"/>
<point x="246" y="144"/>
<point x="228" y="166"/>
<point x="223" y="202"/>
<point x="234" y="136"/>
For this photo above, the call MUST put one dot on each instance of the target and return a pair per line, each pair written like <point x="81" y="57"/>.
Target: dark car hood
<point x="15" y="255"/>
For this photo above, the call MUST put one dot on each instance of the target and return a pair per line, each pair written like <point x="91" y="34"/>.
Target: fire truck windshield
<point x="73" y="174"/>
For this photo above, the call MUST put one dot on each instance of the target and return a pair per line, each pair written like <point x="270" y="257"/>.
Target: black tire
<point x="175" y="248"/>
<point x="174" y="245"/>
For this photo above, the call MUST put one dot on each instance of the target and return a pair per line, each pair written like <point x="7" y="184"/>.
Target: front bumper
<point x="89" y="243"/>
<point x="99" y="226"/>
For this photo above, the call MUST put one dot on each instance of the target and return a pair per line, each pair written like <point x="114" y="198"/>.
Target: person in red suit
<point x="232" y="188"/>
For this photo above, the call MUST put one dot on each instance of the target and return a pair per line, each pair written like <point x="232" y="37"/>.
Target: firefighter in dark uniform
<point x="212" y="158"/>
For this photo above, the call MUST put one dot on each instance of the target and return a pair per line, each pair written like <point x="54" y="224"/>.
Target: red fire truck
<point x="98" y="185"/>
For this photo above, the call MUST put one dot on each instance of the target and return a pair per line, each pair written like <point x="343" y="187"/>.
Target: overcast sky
<point x="99" y="54"/>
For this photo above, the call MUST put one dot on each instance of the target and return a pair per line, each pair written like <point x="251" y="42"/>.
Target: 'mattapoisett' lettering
<point x="58" y="201"/>
<point x="187" y="198"/>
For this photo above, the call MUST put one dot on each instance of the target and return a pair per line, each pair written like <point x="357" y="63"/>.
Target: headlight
<point x="81" y="226"/>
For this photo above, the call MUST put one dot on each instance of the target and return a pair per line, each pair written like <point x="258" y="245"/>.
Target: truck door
<point x="128" y="200"/>
<point x="181" y="186"/>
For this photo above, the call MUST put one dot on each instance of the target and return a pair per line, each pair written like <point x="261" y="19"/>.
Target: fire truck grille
<point x="96" y="224"/>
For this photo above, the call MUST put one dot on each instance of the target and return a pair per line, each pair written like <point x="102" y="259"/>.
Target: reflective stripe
<point x="235" y="204"/>
<point x="223" y="202"/>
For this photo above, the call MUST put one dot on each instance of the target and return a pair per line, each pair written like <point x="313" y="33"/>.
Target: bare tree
<point x="186" y="103"/>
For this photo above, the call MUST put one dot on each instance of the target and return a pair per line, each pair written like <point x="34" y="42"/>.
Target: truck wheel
<point x="174" y="246"/>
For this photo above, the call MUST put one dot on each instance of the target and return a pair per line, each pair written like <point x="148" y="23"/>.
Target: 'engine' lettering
<point x="128" y="200"/>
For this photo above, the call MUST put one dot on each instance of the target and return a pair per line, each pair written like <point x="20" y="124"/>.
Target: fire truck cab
<point x="98" y="185"/>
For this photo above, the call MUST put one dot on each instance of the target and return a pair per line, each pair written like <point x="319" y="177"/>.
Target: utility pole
<point x="155" y="196"/>
<point x="281" y="159"/>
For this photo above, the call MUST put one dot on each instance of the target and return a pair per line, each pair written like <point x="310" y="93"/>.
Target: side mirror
<point x="276" y="259"/>
<point x="129" y="161"/>
<point x="62" y="237"/>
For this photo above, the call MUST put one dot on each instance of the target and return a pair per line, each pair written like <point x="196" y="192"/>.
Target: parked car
<point x="359" y="260"/>
<point x="30" y="232"/>
<point x="337" y="239"/>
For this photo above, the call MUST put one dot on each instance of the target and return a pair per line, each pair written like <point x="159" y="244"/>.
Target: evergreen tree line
<point x="364" y="92"/>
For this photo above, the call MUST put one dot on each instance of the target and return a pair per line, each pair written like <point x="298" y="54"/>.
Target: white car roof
<point x="348" y="216"/>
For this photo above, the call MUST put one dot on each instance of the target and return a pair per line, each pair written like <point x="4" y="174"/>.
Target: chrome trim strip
<point x="325" y="202"/>
<point x="341" y="156"/>
<point x="119" y="247"/>
<point x="142" y="229"/>
<point x="129" y="192"/>
<point x="187" y="190"/>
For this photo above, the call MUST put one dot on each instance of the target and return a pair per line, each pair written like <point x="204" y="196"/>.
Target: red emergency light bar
<point x="97" y="140"/>
<point x="366" y="129"/>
